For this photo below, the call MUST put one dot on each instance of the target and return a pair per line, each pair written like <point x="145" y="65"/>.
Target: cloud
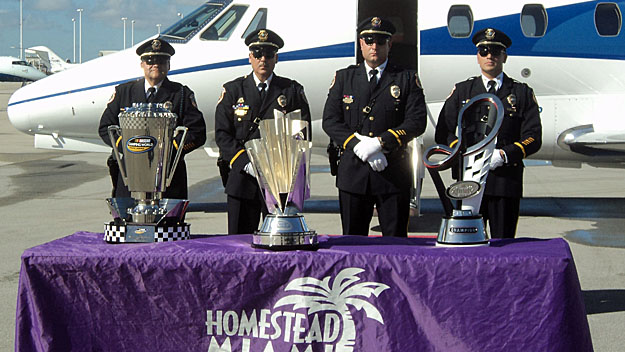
<point x="47" y="5"/>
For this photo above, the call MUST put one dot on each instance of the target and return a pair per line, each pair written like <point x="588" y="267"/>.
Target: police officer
<point x="154" y="87"/>
<point x="243" y="103"/>
<point x="372" y="111"/>
<point x="519" y="136"/>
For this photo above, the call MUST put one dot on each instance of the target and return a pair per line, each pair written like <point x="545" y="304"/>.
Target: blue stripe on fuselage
<point x="325" y="52"/>
<point x="571" y="33"/>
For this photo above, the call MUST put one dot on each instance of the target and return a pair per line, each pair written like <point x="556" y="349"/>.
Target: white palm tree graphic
<point x="336" y="298"/>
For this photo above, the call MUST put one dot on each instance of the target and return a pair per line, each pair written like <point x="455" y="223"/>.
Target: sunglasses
<point x="369" y="40"/>
<point x="494" y="50"/>
<point x="268" y="53"/>
<point x="155" y="60"/>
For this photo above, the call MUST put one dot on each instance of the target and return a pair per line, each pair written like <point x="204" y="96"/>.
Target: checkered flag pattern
<point x="117" y="234"/>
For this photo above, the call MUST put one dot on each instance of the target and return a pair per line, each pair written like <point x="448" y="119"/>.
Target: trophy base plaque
<point x="145" y="233"/>
<point x="462" y="229"/>
<point x="136" y="222"/>
<point x="285" y="232"/>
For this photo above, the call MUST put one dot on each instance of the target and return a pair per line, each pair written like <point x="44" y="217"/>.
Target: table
<point x="216" y="293"/>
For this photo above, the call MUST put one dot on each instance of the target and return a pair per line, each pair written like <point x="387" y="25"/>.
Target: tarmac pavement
<point x="46" y="194"/>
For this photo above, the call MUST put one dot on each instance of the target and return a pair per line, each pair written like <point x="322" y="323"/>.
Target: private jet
<point x="13" y="69"/>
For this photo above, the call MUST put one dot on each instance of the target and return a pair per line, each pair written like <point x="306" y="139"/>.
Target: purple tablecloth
<point x="216" y="293"/>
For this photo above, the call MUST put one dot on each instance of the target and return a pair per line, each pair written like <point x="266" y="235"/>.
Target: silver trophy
<point x="478" y="125"/>
<point x="143" y="149"/>
<point x="281" y="160"/>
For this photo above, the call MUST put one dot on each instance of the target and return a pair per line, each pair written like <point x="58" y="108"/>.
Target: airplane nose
<point x="18" y="111"/>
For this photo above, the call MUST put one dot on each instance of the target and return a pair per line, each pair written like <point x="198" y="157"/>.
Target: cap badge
<point x="395" y="91"/>
<point x="490" y="34"/>
<point x="282" y="101"/>
<point x="156" y="44"/>
<point x="376" y="22"/>
<point x="263" y="35"/>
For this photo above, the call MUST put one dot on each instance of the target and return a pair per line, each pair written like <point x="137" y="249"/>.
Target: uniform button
<point x="371" y="118"/>
<point x="347" y="108"/>
<point x="370" y="134"/>
<point x="239" y="119"/>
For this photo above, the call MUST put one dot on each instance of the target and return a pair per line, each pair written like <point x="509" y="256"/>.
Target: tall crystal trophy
<point x="478" y="125"/>
<point x="144" y="140"/>
<point x="281" y="160"/>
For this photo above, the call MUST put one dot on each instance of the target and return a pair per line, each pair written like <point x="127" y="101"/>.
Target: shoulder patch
<point x="452" y="92"/>
<point x="333" y="80"/>
<point x="221" y="97"/>
<point x="417" y="80"/>
<point x="112" y="97"/>
<point x="192" y="98"/>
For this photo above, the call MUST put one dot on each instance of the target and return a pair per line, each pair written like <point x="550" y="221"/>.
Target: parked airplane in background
<point x="50" y="59"/>
<point x="13" y="69"/>
<point x="571" y="52"/>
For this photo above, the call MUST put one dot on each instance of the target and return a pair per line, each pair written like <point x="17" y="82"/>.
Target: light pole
<point x="132" y="33"/>
<point x="21" y="30"/>
<point x="74" y="24"/>
<point x="159" y="28"/>
<point x="80" y="34"/>
<point x="124" y="19"/>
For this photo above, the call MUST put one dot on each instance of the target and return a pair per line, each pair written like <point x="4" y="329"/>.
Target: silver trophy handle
<point x="172" y="169"/>
<point x="114" y="133"/>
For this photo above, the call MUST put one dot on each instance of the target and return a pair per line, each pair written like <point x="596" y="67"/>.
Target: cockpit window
<point x="225" y="25"/>
<point x="187" y="27"/>
<point x="608" y="20"/>
<point x="534" y="20"/>
<point x="21" y="63"/>
<point x="259" y="21"/>
<point x="460" y="21"/>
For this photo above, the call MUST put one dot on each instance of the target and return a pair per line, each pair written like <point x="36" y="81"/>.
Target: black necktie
<point x="263" y="90"/>
<point x="373" y="81"/>
<point x="492" y="87"/>
<point x="151" y="94"/>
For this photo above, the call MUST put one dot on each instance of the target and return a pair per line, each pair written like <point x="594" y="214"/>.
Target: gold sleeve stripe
<point x="520" y="146"/>
<point x="528" y="141"/>
<point x="453" y="143"/>
<point x="236" y="156"/>
<point x="347" y="141"/>
<point x="396" y="136"/>
<point x="118" y="140"/>
<point x="175" y="144"/>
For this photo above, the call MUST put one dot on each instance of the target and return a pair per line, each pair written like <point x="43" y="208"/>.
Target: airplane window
<point x="191" y="23"/>
<point x="225" y="25"/>
<point x="534" y="20"/>
<point x="460" y="21"/>
<point x="259" y="21"/>
<point x="608" y="20"/>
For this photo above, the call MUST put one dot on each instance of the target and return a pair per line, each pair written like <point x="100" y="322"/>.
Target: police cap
<point x="376" y="25"/>
<point x="264" y="37"/>
<point x="155" y="47"/>
<point x="491" y="36"/>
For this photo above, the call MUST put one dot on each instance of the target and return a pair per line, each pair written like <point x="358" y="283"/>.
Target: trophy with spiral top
<point x="478" y="125"/>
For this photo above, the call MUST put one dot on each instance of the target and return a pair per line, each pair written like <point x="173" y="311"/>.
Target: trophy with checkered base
<point x="281" y="160"/>
<point x="478" y="125"/>
<point x="144" y="140"/>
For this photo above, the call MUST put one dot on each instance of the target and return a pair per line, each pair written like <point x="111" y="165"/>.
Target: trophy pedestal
<point x="145" y="233"/>
<point x="462" y="229"/>
<point x="134" y="222"/>
<point x="285" y="232"/>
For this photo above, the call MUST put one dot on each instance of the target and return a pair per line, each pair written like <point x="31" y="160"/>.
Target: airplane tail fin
<point x="54" y="61"/>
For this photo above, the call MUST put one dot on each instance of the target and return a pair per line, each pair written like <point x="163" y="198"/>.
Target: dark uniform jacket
<point x="184" y="106"/>
<point x="520" y="134"/>
<point x="236" y="111"/>
<point x="397" y="115"/>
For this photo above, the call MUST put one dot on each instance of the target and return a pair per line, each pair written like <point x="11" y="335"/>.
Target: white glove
<point x="249" y="169"/>
<point x="367" y="147"/>
<point x="496" y="160"/>
<point x="378" y="161"/>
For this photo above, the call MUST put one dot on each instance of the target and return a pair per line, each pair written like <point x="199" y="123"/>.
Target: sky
<point x="49" y="23"/>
